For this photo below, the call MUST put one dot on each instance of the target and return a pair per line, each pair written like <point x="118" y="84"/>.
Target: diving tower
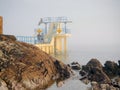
<point x="51" y="35"/>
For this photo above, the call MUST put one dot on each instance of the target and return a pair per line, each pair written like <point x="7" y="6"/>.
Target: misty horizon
<point x="95" y="24"/>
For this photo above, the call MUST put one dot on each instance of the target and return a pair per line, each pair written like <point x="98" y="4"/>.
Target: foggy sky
<point x="95" y="23"/>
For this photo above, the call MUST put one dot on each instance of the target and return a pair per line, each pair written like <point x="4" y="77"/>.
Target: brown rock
<point x="95" y="85"/>
<point x="91" y="64"/>
<point x="7" y="37"/>
<point x="111" y="68"/>
<point x="24" y="66"/>
<point x="95" y="72"/>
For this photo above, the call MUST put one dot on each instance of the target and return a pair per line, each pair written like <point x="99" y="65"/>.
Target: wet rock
<point x="95" y="85"/>
<point x="98" y="75"/>
<point x="68" y="65"/>
<point x="64" y="73"/>
<point x="116" y="83"/>
<point x="24" y="66"/>
<point x="111" y="68"/>
<point x="82" y="73"/>
<point x="75" y="66"/>
<point x="74" y="63"/>
<point x="85" y="80"/>
<point x="98" y="86"/>
<point x="60" y="84"/>
<point x="95" y="72"/>
<point x="117" y="80"/>
<point x="104" y="86"/>
<point x="119" y="63"/>
<point x="113" y="88"/>
<point x="91" y="64"/>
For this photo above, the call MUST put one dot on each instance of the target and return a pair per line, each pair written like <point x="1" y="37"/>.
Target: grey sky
<point x="96" y="23"/>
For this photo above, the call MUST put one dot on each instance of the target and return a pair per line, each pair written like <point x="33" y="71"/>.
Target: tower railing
<point x="48" y="37"/>
<point x="27" y="39"/>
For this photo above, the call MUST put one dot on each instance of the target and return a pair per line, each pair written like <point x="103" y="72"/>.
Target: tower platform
<point x="51" y="36"/>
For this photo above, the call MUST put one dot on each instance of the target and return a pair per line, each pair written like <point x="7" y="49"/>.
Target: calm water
<point x="83" y="57"/>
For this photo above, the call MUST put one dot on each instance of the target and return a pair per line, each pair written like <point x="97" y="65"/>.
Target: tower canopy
<point x="55" y="20"/>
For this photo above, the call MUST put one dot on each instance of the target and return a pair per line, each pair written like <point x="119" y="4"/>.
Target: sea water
<point x="83" y="57"/>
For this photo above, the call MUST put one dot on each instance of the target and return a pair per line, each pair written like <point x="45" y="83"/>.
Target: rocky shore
<point x="101" y="77"/>
<point x="25" y="67"/>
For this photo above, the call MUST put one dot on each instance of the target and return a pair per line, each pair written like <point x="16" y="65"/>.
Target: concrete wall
<point x="1" y="25"/>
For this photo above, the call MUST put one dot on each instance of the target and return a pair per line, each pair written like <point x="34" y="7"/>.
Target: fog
<point x="95" y="26"/>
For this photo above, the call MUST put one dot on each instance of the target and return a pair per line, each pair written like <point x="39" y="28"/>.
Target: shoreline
<point x="84" y="77"/>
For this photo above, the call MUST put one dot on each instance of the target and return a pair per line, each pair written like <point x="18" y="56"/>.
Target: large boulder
<point x="111" y="68"/>
<point x="25" y="67"/>
<point x="93" y="63"/>
<point x="95" y="71"/>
